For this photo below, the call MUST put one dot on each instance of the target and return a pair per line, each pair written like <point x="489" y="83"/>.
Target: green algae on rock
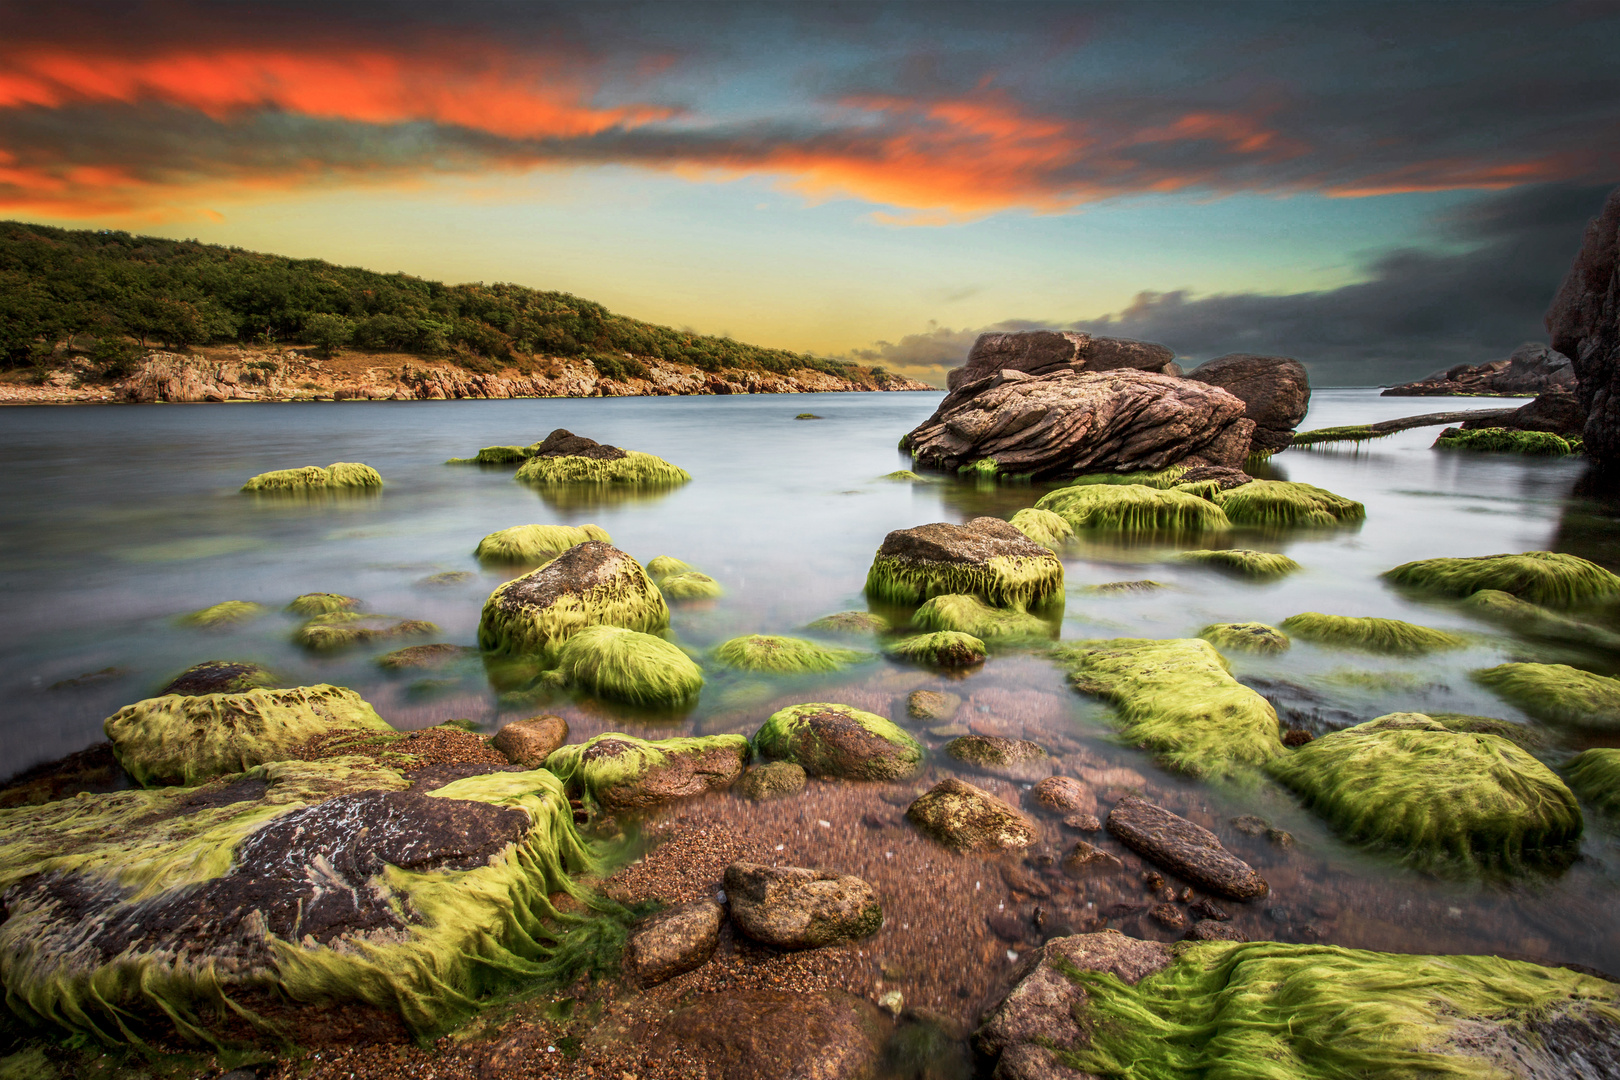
<point x="590" y="584"/>
<point x="321" y="603"/>
<point x="626" y="665"/>
<point x="970" y="615"/>
<point x="180" y="911"/>
<point x="1532" y="620"/>
<point x="177" y="739"/>
<point x="1042" y="526"/>
<point x="1177" y="698"/>
<point x="1161" y="478"/>
<point x="1389" y="636"/>
<point x="1246" y="637"/>
<point x="634" y="469"/>
<point x="1435" y="796"/>
<point x="535" y="543"/>
<point x="851" y="622"/>
<point x="1557" y="694"/>
<point x="943" y="649"/>
<point x="1549" y="578"/>
<point x="346" y="629"/>
<point x="1259" y="565"/>
<point x="220" y="677"/>
<point x="906" y="476"/>
<point x="621" y="772"/>
<point x="664" y="566"/>
<point x="222" y="615"/>
<point x="1595" y="776"/>
<point x="691" y="586"/>
<point x="1505" y="441"/>
<point x="828" y="739"/>
<point x="1133" y="508"/>
<point x="424" y="657"/>
<point x="784" y="655"/>
<point x="987" y="558"/>
<point x="1283" y="503"/>
<point x="338" y="475"/>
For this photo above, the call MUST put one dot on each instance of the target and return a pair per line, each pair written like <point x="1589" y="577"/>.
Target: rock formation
<point x="1532" y="369"/>
<point x="1276" y="392"/>
<point x="1584" y="322"/>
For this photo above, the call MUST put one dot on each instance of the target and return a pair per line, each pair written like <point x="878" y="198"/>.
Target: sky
<point x="1380" y="190"/>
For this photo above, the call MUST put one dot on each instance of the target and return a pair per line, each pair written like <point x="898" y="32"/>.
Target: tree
<point x="327" y="332"/>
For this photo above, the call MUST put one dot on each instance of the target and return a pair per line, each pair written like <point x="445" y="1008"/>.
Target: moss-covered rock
<point x="1259" y="565"/>
<point x="970" y="615"/>
<point x="944" y="649"/>
<point x="932" y="705"/>
<point x="205" y="913"/>
<point x="346" y="629"/>
<point x="527" y="544"/>
<point x="424" y="657"/>
<point x="621" y="772"/>
<point x="691" y="586"/>
<point x="851" y="622"/>
<point x="773" y="780"/>
<point x="967" y="818"/>
<point x="634" y="469"/>
<point x="321" y="603"/>
<point x="223" y="615"/>
<point x="784" y="655"/>
<point x="1042" y="526"/>
<point x="1246" y="637"/>
<point x="1435" y="796"/>
<point x="590" y="584"/>
<point x="1524" y="736"/>
<point x="1549" y="578"/>
<point x="1177" y="698"/>
<point x="1122" y="588"/>
<point x="1133" y="508"/>
<point x="663" y="566"/>
<point x="1388" y="636"/>
<point x="1557" y="693"/>
<point x="839" y="740"/>
<point x="1535" y="621"/>
<point x="1019" y="759"/>
<point x="446" y="579"/>
<point x="177" y="739"/>
<point x="1284" y="503"/>
<point x="987" y="558"/>
<point x="1161" y="478"/>
<point x="626" y="665"/>
<point x="220" y="677"/>
<point x="1595" y="776"/>
<point x="340" y="475"/>
<point x="1505" y="441"/>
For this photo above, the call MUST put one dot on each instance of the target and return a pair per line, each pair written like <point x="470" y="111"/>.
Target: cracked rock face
<point x="1275" y="390"/>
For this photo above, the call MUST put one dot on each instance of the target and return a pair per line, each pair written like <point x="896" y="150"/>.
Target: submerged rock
<point x="590" y="584"/>
<point x="535" y="543"/>
<point x="1189" y="851"/>
<point x="945" y="649"/>
<point x="529" y="742"/>
<point x="424" y="657"/>
<point x="1550" y="578"/>
<point x="220" y="677"/>
<point x="346" y="629"/>
<point x="1042" y="526"/>
<point x="337" y="476"/>
<point x="1019" y="759"/>
<point x="773" y="780"/>
<point x="932" y="705"/>
<point x="1531" y="620"/>
<point x="321" y="603"/>
<point x="224" y="615"/>
<point x="839" y="741"/>
<point x="622" y="772"/>
<point x="691" y="586"/>
<point x="1595" y="776"/>
<point x="673" y="942"/>
<point x="851" y="622"/>
<point x="1275" y="391"/>
<point x="794" y="908"/>
<point x="1557" y="694"/>
<point x="778" y="655"/>
<point x="625" y="665"/>
<point x="970" y="615"/>
<point x="1246" y="636"/>
<point x="986" y="558"/>
<point x="1258" y="565"/>
<point x="967" y="818"/>
<point x="1063" y="795"/>
<point x="1389" y="636"/>
<point x="1134" y="508"/>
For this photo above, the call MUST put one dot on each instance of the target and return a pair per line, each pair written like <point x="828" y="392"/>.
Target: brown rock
<point x="1039" y="352"/>
<point x="1168" y="916"/>
<point x="1210" y="930"/>
<point x="970" y="547"/>
<point x="773" y="780"/>
<point x="673" y="942"/>
<point x="1007" y="925"/>
<point x="966" y="818"/>
<point x="795" y="908"/>
<point x="1532" y="369"/>
<point x="1187" y="850"/>
<point x="1584" y="322"/>
<point x="564" y="443"/>
<point x="1021" y="879"/>
<point x="529" y="742"/>
<point x="1017" y="759"/>
<point x="1086" y="860"/>
<point x="1226" y="479"/>
<point x="1557" y="409"/>
<point x="779" y="1035"/>
<point x="1082" y="823"/>
<point x="1275" y="390"/>
<point x="1063" y="794"/>
<point x="932" y="705"/>
<point x="1205" y="908"/>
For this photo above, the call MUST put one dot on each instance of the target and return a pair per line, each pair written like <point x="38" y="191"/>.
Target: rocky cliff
<point x="1584" y="322"/>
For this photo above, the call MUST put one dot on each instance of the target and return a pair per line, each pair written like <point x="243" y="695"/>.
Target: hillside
<point x="86" y="310"/>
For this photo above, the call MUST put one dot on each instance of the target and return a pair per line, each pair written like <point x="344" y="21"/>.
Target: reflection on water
<point x="120" y="519"/>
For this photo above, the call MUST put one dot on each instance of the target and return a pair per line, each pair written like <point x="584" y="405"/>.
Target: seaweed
<point x="1549" y="578"/>
<point x="1388" y="636"/>
<point x="1504" y="441"/>
<point x="1007" y="581"/>
<point x="1243" y="562"/>
<point x="970" y="615"/>
<point x="784" y="655"/>
<point x="1042" y="526"/>
<point x="1247" y="637"/>
<point x="1133" y="508"/>
<point x="321" y="603"/>
<point x="1595" y="776"/>
<point x="222" y="615"/>
<point x="851" y="622"/>
<point x="1557" y="693"/>
<point x="1531" y="620"/>
<point x="1160" y="478"/>
<point x="691" y="586"/>
<point x="535" y="543"/>
<point x="635" y="469"/>
<point x="1285" y="503"/>
<point x="339" y="474"/>
<point x="945" y="649"/>
<point x="827" y="739"/>
<point x="625" y="665"/>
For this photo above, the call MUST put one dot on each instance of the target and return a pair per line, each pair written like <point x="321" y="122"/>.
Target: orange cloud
<point x="1449" y="174"/>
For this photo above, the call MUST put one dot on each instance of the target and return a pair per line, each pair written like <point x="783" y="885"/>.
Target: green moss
<point x="851" y="622"/>
<point x="985" y="468"/>
<point x="1041" y="526"/>
<point x="182" y="740"/>
<point x="1348" y="433"/>
<point x="608" y="768"/>
<point x="1281" y="502"/>
<point x="1378" y="682"/>
<point x="1531" y="620"/>
<point x="626" y="598"/>
<point x="635" y="469"/>
<point x="906" y="476"/>
<point x="970" y="615"/>
<point x="1177" y="698"/>
<point x="1122" y="588"/>
<point x="1006" y="581"/>
<point x="1549" y="578"/>
<point x="624" y="665"/>
<point x="1504" y="441"/>
<point x="1277" y="1011"/>
<point x="229" y="613"/>
<point x="1595" y="776"/>
<point x="664" y="566"/>
<point x="784" y="655"/>
<point x="1433" y="796"/>
<point x="946" y="649"/>
<point x="535" y="543"/>
<point x="1557" y="693"/>
<point x="445" y="579"/>
<point x="1133" y="508"/>
<point x="1163" y="478"/>
<point x="500" y="455"/>
<point x="339" y="474"/>
<point x="828" y="739"/>
<point x="1259" y="565"/>
<point x="321" y="603"/>
<point x="692" y="586"/>
<point x="346" y="629"/>
<point x="1390" y="636"/>
<point x="1246" y="637"/>
<point x="807" y="416"/>
<point x="1521" y="735"/>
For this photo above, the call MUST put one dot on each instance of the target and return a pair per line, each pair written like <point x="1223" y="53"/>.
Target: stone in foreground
<point x="622" y="772"/>
<point x="987" y="558"/>
<point x="794" y="908"/>
<point x="967" y="818"/>
<point x="529" y="742"/>
<point x="828" y="739"/>
<point x="590" y="584"/>
<point x="673" y="942"/>
<point x="1189" y="851"/>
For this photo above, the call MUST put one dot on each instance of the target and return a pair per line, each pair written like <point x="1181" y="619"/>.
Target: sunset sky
<point x="1380" y="190"/>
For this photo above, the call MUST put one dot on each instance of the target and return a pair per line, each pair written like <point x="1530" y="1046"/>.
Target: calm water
<point x="119" y="519"/>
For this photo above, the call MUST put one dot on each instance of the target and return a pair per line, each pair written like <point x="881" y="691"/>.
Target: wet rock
<point x="1063" y="795"/>
<point x="967" y="818"/>
<point x="93" y="769"/>
<point x="1168" y="916"/>
<point x="673" y="942"/>
<point x="1275" y="391"/>
<point x="529" y="742"/>
<point x="1205" y="908"/>
<point x="1224" y="478"/>
<point x="1087" y="860"/>
<point x="590" y="584"/>
<point x="932" y="705"/>
<point x="346" y="629"/>
<point x="779" y="1035"/>
<point x="1021" y="879"/>
<point x="1018" y="759"/>
<point x="1039" y="352"/>
<point x="423" y="657"/>
<point x="564" y="443"/>
<point x="1584" y="324"/>
<point x="828" y="739"/>
<point x="949" y="731"/>
<point x="1087" y="823"/>
<point x="1187" y="850"/>
<point x="1211" y="930"/>
<point x="986" y="558"/>
<point x="220" y="677"/>
<point x="622" y="772"/>
<point x="773" y="780"/>
<point x="1007" y="925"/>
<point x="795" y="908"/>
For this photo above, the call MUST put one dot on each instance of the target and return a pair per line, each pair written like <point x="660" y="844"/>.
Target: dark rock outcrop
<point x="1557" y="410"/>
<point x="1275" y="391"/>
<point x="1187" y="850"/>
<point x="1532" y="369"/>
<point x="795" y="908"/>
<point x="564" y="443"/>
<point x="1038" y="352"/>
<point x="1584" y="322"/>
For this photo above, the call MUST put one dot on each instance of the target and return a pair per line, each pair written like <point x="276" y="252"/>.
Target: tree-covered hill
<point x="117" y="289"/>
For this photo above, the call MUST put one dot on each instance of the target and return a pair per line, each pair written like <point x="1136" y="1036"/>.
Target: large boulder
<point x="987" y="558"/>
<point x="1069" y="422"/>
<point x="1039" y="352"/>
<point x="1532" y="369"/>
<point x="1275" y="390"/>
<point x="1584" y="322"/>
<point x="590" y="584"/>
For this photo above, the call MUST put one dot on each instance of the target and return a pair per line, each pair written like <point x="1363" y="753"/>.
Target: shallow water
<point x="119" y="519"/>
